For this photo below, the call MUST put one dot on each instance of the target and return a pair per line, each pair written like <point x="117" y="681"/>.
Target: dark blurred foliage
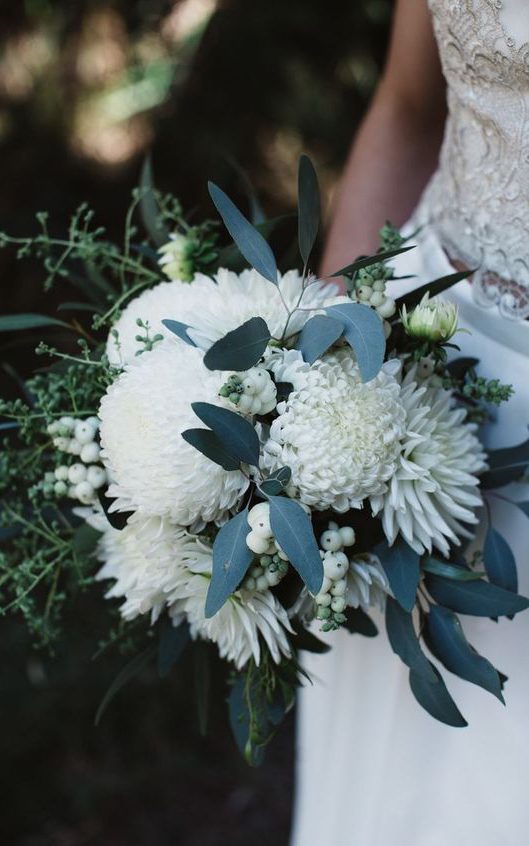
<point x="86" y="88"/>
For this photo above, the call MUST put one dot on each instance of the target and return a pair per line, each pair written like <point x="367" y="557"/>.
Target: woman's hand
<point x="397" y="147"/>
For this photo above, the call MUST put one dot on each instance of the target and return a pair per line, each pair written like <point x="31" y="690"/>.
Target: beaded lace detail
<point x="478" y="200"/>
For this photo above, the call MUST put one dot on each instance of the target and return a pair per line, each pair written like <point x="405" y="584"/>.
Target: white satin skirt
<point x="373" y="768"/>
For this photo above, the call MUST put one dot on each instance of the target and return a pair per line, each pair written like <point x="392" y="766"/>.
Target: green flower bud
<point x="431" y="320"/>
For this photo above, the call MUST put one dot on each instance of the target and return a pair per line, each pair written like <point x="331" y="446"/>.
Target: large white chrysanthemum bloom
<point x="148" y="561"/>
<point x="215" y="307"/>
<point x="339" y="436"/>
<point x="151" y="467"/>
<point x="435" y="489"/>
<point x="236" y="629"/>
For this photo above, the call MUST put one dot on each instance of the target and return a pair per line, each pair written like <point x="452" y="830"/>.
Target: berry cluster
<point x="331" y="601"/>
<point x="273" y="563"/>
<point x="253" y="392"/>
<point x="82" y="479"/>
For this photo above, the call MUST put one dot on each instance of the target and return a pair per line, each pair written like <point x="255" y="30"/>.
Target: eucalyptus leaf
<point x="276" y="482"/>
<point x="237" y="434"/>
<point x="368" y="261"/>
<point x="364" y="332"/>
<point x="240" y="349"/>
<point x="447" y="641"/>
<point x="437" y="286"/>
<point x="16" y="322"/>
<point x="506" y="465"/>
<point x="250" y="242"/>
<point x="149" y="208"/>
<point x="401" y="566"/>
<point x="450" y="571"/>
<point x="240" y="723"/>
<point x="435" y="699"/>
<point x="133" y="668"/>
<point x="231" y="559"/>
<point x="171" y="644"/>
<point x="292" y="529"/>
<point x="180" y="330"/>
<point x="404" y="641"/>
<point x="499" y="561"/>
<point x="459" y="367"/>
<point x="309" y="208"/>
<point x="477" y="599"/>
<point x="212" y="447"/>
<point x="317" y="336"/>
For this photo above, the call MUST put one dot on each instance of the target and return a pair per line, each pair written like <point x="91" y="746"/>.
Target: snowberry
<point x="326" y="584"/>
<point x="262" y="583"/>
<point x="334" y="565"/>
<point x="331" y="540"/>
<point x="90" y="453"/>
<point x="84" y="492"/>
<point x="67" y="423"/>
<point x="338" y="605"/>
<point x="387" y="308"/>
<point x="60" y="488"/>
<point x="323" y="599"/>
<point x="62" y="444"/>
<point x="379" y="285"/>
<point x="250" y="583"/>
<point x="364" y="293"/>
<point x="53" y="428"/>
<point x="348" y="536"/>
<point x="76" y="473"/>
<point x="273" y="578"/>
<point x="61" y="473"/>
<point x="257" y="544"/>
<point x="75" y="447"/>
<point x="377" y="298"/>
<point x="97" y="476"/>
<point x="339" y="588"/>
<point x="84" y="432"/>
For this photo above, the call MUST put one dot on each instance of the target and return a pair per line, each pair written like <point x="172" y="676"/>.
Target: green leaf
<point x="231" y="560"/>
<point x="133" y="668"/>
<point x="75" y="306"/>
<point x="249" y="241"/>
<point x="401" y="566"/>
<point x="364" y="332"/>
<point x="499" y="561"/>
<point x="447" y="641"/>
<point x="230" y="257"/>
<point x="506" y="465"/>
<point x="435" y="699"/>
<point x="180" y="330"/>
<point x="404" y="641"/>
<point x="477" y="599"/>
<point x="85" y="539"/>
<point x="292" y="529"/>
<point x="368" y="261"/>
<point x="16" y="322"/>
<point x="437" y="286"/>
<point x="450" y="571"/>
<point x="318" y="334"/>
<point x="149" y="209"/>
<point x="358" y="622"/>
<point x="240" y="349"/>
<point x="212" y="447"/>
<point x="309" y="210"/>
<point x="172" y="642"/>
<point x="459" y="367"/>
<point x="236" y="434"/>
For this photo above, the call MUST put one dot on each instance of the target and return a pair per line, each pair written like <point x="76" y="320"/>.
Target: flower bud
<point x="432" y="320"/>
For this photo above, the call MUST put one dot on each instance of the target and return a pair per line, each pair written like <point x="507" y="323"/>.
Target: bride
<point x="374" y="769"/>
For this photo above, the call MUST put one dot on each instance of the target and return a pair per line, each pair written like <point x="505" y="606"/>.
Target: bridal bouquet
<point x="253" y="457"/>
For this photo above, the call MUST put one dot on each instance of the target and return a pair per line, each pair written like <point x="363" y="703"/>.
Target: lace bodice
<point x="478" y="200"/>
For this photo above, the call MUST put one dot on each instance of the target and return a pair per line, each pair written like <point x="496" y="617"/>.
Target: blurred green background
<point x="86" y="89"/>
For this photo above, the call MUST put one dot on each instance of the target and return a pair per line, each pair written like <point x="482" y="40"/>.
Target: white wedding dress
<point x="374" y="769"/>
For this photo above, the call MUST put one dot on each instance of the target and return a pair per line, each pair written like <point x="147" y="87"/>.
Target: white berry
<point x="84" y="492"/>
<point x="84" y="432"/>
<point x="365" y="293"/>
<point x="334" y="566"/>
<point x="339" y="588"/>
<point x="379" y="285"/>
<point x="348" y="536"/>
<point x="387" y="309"/>
<point x="257" y="544"/>
<point x="60" y="488"/>
<point x="76" y="473"/>
<point x="61" y="473"/>
<point x="62" y="444"/>
<point x="75" y="447"/>
<point x="323" y="599"/>
<point x="90" y="453"/>
<point x="331" y="541"/>
<point x="377" y="298"/>
<point x="262" y="583"/>
<point x="258" y="512"/>
<point x="97" y="476"/>
<point x="338" y="604"/>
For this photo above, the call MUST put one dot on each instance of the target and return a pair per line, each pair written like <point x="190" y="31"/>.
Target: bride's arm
<point x="397" y="146"/>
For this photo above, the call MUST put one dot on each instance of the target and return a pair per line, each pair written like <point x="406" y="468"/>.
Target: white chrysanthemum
<point x="149" y="561"/>
<point x="215" y="307"/>
<point x="339" y="436"/>
<point x="245" y="617"/>
<point x="152" y="468"/>
<point x="435" y="488"/>
<point x="367" y="583"/>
